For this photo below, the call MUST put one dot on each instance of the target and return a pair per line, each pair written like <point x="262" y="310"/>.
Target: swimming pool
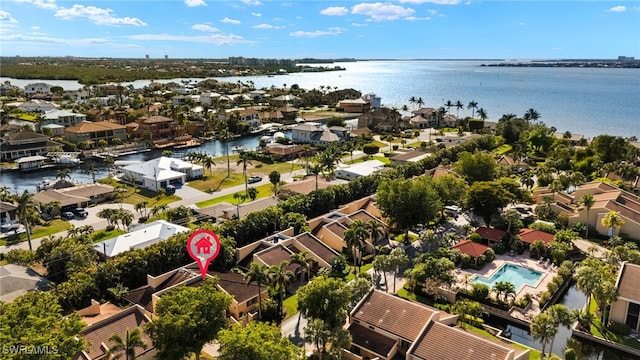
<point x="517" y="275"/>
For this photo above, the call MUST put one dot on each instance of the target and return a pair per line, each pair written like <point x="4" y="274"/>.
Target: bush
<point x="545" y="296"/>
<point x="370" y="149"/>
<point x="569" y="354"/>
<point x="480" y="292"/>
<point x="620" y="329"/>
<point x="20" y="257"/>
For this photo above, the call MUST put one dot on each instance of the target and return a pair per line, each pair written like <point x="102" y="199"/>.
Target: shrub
<point x="489" y="255"/>
<point x="620" y="329"/>
<point x="480" y="292"/>
<point x="370" y="149"/>
<point x="545" y="296"/>
<point x="20" y="257"/>
<point x="569" y="354"/>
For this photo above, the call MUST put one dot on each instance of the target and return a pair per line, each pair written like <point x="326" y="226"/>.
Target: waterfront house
<point x="65" y="118"/>
<point x="36" y="105"/>
<point x="75" y="196"/>
<point x="92" y="132"/>
<point x="224" y="211"/>
<point x="159" y="127"/>
<point x="7" y="213"/>
<point x="314" y="134"/>
<point x="383" y="119"/>
<point x="284" y="152"/>
<point x="27" y="163"/>
<point x="285" y="115"/>
<point x="139" y="238"/>
<point x="161" y="172"/>
<point x="98" y="335"/>
<point x="17" y="280"/>
<point x="352" y="171"/>
<point x="607" y="198"/>
<point x="358" y="105"/>
<point x="626" y="309"/>
<point x="37" y="88"/>
<point x="26" y="143"/>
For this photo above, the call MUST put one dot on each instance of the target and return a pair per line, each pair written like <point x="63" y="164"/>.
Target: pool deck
<point x="548" y="272"/>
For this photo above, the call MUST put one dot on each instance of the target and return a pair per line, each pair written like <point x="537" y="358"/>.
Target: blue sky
<point x="401" y="29"/>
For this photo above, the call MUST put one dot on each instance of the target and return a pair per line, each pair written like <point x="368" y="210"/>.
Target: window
<point x="633" y="312"/>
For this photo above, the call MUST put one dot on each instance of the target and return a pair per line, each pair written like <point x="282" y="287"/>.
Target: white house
<point x="37" y="106"/>
<point x="353" y="171"/>
<point x="309" y="133"/>
<point x="141" y="237"/>
<point x="63" y="117"/>
<point x="37" y="88"/>
<point x="162" y="172"/>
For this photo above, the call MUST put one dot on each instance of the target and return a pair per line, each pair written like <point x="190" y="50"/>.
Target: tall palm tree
<point x="375" y="229"/>
<point x="482" y="113"/>
<point x="531" y="115"/>
<point x="208" y="163"/>
<point x="543" y="327"/>
<point x="63" y="173"/>
<point x="613" y="221"/>
<point x="355" y="237"/>
<point x="257" y="273"/>
<point x="473" y="105"/>
<point x="132" y="340"/>
<point x="459" y="105"/>
<point x="244" y="160"/>
<point x="303" y="260"/>
<point x="419" y="102"/>
<point x="413" y="100"/>
<point x="449" y="104"/>
<point x="25" y="211"/>
<point x="225" y="134"/>
<point x="587" y="200"/>
<point x="315" y="169"/>
<point x="91" y="170"/>
<point x="279" y="279"/>
<point x="587" y="277"/>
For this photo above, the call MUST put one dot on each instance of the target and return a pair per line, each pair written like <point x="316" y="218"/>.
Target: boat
<point x="67" y="160"/>
<point x="238" y="148"/>
<point x="45" y="184"/>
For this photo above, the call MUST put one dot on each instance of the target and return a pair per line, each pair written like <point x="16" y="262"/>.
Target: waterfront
<point x="589" y="101"/>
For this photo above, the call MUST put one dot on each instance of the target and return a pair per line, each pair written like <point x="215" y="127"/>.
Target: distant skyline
<point x="401" y="29"/>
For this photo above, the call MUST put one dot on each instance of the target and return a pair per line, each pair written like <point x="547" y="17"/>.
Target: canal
<point x="573" y="299"/>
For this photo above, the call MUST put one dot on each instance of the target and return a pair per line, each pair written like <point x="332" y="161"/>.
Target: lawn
<point x="263" y="191"/>
<point x="533" y="353"/>
<point x="291" y="305"/>
<point x="102" y="235"/>
<point x="599" y="331"/>
<point x="135" y="195"/>
<point x="365" y="158"/>
<point x="218" y="180"/>
<point x="363" y="269"/>
<point x="380" y="144"/>
<point x="503" y="149"/>
<point x="54" y="226"/>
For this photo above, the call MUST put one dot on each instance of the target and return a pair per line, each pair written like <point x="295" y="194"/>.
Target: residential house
<point x="75" y="196"/>
<point x="53" y="129"/>
<point x="307" y="185"/>
<point x="285" y="115"/>
<point x="159" y="127"/>
<point x="7" y="213"/>
<point x="510" y="164"/>
<point x="250" y="117"/>
<point x="385" y="326"/>
<point x="26" y="143"/>
<point x="352" y="171"/>
<point x="626" y="309"/>
<point x="209" y="98"/>
<point x="420" y="122"/>
<point x="285" y="152"/>
<point x="98" y="335"/>
<point x="409" y="157"/>
<point x="574" y="139"/>
<point x="359" y="105"/>
<point x="309" y="133"/>
<point x="430" y="114"/>
<point x="374" y="101"/>
<point x="449" y="121"/>
<point x="37" y="88"/>
<point x="17" y="280"/>
<point x="607" y="198"/>
<point x="36" y="105"/>
<point x="383" y="119"/>
<point x="139" y="238"/>
<point x="65" y="118"/>
<point x="92" y="132"/>
<point x="529" y="236"/>
<point x="162" y="172"/>
<point x="180" y="100"/>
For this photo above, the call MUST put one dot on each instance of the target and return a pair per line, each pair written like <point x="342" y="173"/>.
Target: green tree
<point x="257" y="341"/>
<point x="476" y="167"/>
<point x="587" y="201"/>
<point x="473" y="105"/>
<point x="127" y="345"/>
<point x="383" y="264"/>
<point x="407" y="202"/>
<point x="26" y="212"/>
<point x="274" y="179"/>
<point x="243" y="158"/>
<point x="64" y="173"/>
<point x="486" y="199"/>
<point x="257" y="273"/>
<point x="315" y="169"/>
<point x="324" y="298"/>
<point x="328" y="341"/>
<point x="613" y="221"/>
<point x="188" y="318"/>
<point x="355" y="236"/>
<point x="36" y="318"/>
<point x="398" y="260"/>
<point x="543" y="327"/>
<point x="279" y="278"/>
<point x="304" y="261"/>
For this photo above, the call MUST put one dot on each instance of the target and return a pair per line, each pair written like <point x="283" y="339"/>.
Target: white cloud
<point x="35" y="28"/>
<point x="358" y="25"/>
<point x="195" y="3"/>
<point x="413" y="18"/>
<point x="216" y="39"/>
<point x="63" y="41"/>
<point x="6" y="18"/>
<point x="252" y="2"/>
<point x="230" y="21"/>
<point x="432" y="12"/>
<point x="522" y="24"/>
<point x="619" y="8"/>
<point x="335" y="11"/>
<point x="439" y="2"/>
<point x="268" y="26"/>
<point x="205" y="27"/>
<point x="43" y="4"/>
<point x="256" y="14"/>
<point x="382" y="12"/>
<point x="99" y="16"/>
<point x="313" y="34"/>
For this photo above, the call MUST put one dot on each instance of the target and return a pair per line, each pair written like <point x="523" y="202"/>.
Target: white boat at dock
<point x="238" y="148"/>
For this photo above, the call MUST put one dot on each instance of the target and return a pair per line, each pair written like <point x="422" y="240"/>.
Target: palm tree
<point x="419" y="102"/>
<point x="208" y="163"/>
<point x="225" y="134"/>
<point x="449" y="104"/>
<point x="257" y="273"/>
<point x="531" y="115"/>
<point x="303" y="260"/>
<point x="482" y="113"/>
<point x="543" y="327"/>
<point x="315" y="169"/>
<point x="279" y="279"/>
<point x="63" y="173"/>
<point x="459" y="105"/>
<point x="355" y="237"/>
<point x="91" y="170"/>
<point x="587" y="200"/>
<point x="561" y="316"/>
<point x="473" y="105"/>
<point x="375" y="230"/>
<point x="132" y="340"/>
<point x="398" y="259"/>
<point x="25" y="210"/>
<point x="244" y="160"/>
<point x="587" y="277"/>
<point x="413" y="100"/>
<point x="613" y="221"/>
<point x="537" y="246"/>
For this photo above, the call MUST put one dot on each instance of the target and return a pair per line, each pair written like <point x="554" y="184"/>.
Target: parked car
<point x="254" y="179"/>
<point x="68" y="215"/>
<point x="80" y="212"/>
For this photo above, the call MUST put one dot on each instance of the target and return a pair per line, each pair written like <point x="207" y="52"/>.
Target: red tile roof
<point x="491" y="233"/>
<point x="471" y="248"/>
<point x="529" y="236"/>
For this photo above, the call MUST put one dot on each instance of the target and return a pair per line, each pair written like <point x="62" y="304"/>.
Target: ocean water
<point x="588" y="101"/>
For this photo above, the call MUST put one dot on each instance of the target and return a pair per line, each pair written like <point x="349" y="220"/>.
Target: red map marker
<point x="203" y="246"/>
